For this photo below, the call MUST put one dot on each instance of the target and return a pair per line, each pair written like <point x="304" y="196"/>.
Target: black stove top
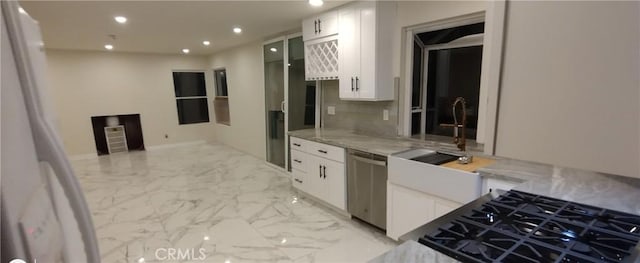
<point x="521" y="227"/>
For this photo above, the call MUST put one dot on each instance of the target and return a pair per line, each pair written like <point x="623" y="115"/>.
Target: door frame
<point x="285" y="103"/>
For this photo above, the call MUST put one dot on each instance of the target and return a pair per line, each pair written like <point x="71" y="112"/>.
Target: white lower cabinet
<point x="320" y="176"/>
<point x="408" y="209"/>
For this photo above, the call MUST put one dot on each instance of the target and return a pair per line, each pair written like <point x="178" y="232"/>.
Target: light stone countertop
<point x="380" y="145"/>
<point x="592" y="188"/>
<point x="412" y="252"/>
<point x="505" y="169"/>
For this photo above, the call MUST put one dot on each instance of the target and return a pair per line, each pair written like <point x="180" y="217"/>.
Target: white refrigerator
<point x="44" y="215"/>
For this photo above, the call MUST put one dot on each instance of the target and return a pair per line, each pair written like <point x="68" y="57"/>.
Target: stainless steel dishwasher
<point x="367" y="187"/>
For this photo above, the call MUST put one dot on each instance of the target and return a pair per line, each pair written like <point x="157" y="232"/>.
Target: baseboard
<point x="173" y="145"/>
<point x="78" y="157"/>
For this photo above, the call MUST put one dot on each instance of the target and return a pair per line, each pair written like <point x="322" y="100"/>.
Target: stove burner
<point x="581" y="247"/>
<point x="474" y="247"/>
<point x="603" y="220"/>
<point x="521" y="227"/>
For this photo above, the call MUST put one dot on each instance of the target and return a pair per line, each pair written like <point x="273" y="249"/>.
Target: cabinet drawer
<point x="297" y="179"/>
<point x="326" y="151"/>
<point x="298" y="160"/>
<point x="298" y="144"/>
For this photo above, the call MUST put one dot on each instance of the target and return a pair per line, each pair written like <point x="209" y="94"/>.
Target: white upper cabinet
<point x="321" y="46"/>
<point x="365" y="31"/>
<point x="320" y="26"/>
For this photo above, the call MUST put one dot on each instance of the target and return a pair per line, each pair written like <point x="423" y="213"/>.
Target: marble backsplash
<point x="363" y="117"/>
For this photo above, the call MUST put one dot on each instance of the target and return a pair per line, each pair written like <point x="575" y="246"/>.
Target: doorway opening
<point x="446" y="64"/>
<point x="290" y="100"/>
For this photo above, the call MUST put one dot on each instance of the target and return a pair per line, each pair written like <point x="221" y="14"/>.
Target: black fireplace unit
<point x="132" y="127"/>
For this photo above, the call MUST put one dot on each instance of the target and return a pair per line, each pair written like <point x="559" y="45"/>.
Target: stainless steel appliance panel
<point x="367" y="187"/>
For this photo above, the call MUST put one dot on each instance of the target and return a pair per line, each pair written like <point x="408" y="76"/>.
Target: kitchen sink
<point x="421" y="170"/>
<point x="436" y="158"/>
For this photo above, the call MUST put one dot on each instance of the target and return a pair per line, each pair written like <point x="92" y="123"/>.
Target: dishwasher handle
<point x="369" y="161"/>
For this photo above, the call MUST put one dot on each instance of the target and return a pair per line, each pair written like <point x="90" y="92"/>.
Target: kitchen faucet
<point x="460" y="141"/>
<point x="459" y="136"/>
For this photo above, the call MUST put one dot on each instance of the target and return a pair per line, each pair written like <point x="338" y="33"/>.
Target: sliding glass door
<point x="289" y="100"/>
<point x="274" y="101"/>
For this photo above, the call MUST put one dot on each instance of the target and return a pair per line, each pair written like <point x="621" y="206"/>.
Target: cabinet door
<point x="408" y="210"/>
<point x="366" y="84"/>
<point x="443" y="208"/>
<point x="310" y="28"/>
<point x="314" y="178"/>
<point x="335" y="182"/>
<point x="328" y="24"/>
<point x="349" y="50"/>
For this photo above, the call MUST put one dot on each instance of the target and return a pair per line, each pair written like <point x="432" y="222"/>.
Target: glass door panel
<point x="274" y="102"/>
<point x="302" y="94"/>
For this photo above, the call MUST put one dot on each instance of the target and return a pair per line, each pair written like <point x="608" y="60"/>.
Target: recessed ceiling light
<point x="21" y="10"/>
<point x="273" y="49"/>
<point x="237" y="30"/>
<point x="316" y="2"/>
<point x="185" y="50"/>
<point x="120" y="19"/>
<point x="206" y="43"/>
<point x="108" y="46"/>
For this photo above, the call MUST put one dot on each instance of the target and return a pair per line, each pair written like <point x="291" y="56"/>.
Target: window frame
<point x="493" y="17"/>
<point x="206" y="96"/>
<point x="221" y="102"/>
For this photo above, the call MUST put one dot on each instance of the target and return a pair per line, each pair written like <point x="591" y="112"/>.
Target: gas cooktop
<point x="520" y="227"/>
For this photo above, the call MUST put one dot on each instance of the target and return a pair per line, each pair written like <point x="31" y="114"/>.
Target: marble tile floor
<point x="212" y="203"/>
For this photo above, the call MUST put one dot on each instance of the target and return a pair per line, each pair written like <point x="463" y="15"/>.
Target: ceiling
<point x="166" y="26"/>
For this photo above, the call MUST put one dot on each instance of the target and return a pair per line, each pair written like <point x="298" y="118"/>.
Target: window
<point x="446" y="64"/>
<point x="191" y="97"/>
<point x="221" y="102"/>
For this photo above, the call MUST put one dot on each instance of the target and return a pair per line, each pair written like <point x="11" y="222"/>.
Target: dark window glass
<point x="453" y="73"/>
<point x="416" y="119"/>
<point x="310" y="104"/>
<point x="192" y="110"/>
<point x="417" y="76"/>
<point x="189" y="84"/>
<point x="221" y="82"/>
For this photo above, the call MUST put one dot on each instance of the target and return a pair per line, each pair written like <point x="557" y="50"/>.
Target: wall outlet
<point x="385" y="115"/>
<point x="331" y="110"/>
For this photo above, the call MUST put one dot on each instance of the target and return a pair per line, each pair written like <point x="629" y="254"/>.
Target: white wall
<point x="85" y="84"/>
<point x="245" y="79"/>
<point x="570" y="92"/>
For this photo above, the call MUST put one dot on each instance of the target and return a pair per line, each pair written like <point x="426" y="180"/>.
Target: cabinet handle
<point x="324" y="171"/>
<point x="315" y="26"/>
<point x="320" y="170"/>
<point x="322" y="151"/>
<point x="357" y="84"/>
<point x="296" y="144"/>
<point x="319" y="26"/>
<point x="298" y="180"/>
<point x="297" y="161"/>
<point x="351" y="83"/>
